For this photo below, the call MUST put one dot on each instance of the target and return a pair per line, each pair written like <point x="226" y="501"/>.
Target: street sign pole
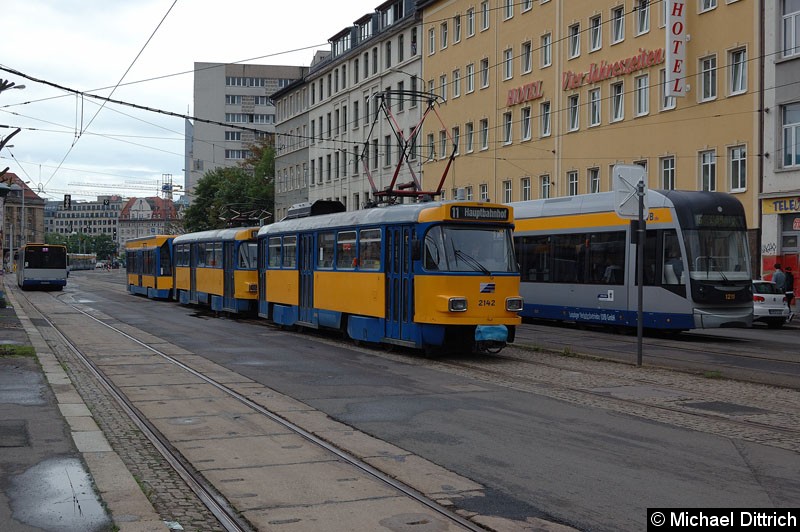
<point x="641" y="234"/>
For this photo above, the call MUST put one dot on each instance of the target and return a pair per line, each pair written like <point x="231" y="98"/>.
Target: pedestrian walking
<point x="779" y="278"/>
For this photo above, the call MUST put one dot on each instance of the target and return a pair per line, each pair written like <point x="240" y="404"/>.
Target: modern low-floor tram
<point x="578" y="261"/>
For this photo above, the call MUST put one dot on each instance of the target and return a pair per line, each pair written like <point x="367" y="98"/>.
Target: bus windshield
<point x="718" y="254"/>
<point x="45" y="257"/>
<point x="458" y="248"/>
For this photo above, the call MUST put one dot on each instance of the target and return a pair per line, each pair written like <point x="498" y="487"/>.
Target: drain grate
<point x="726" y="408"/>
<point x="13" y="433"/>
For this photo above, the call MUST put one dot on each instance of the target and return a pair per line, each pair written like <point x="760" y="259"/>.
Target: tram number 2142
<point x="486" y="302"/>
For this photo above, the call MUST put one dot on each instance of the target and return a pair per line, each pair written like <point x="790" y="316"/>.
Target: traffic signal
<point x="67" y="201"/>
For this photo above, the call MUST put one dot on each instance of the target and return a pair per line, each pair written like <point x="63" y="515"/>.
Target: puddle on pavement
<point x="19" y="386"/>
<point x="57" y="494"/>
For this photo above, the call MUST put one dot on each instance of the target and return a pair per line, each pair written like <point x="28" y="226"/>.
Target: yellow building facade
<point x="544" y="97"/>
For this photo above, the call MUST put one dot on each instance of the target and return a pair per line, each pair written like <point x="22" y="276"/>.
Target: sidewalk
<point x="54" y="460"/>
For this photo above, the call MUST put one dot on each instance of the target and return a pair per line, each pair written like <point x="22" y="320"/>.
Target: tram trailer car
<point x="218" y="268"/>
<point x="426" y="275"/>
<point x="578" y="261"/>
<point x="148" y="263"/>
<point x="81" y="261"/>
<point x="42" y="267"/>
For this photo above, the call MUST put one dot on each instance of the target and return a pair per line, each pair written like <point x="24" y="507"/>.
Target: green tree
<point x="231" y="197"/>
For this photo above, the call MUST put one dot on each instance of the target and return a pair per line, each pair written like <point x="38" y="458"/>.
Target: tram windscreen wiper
<point x="472" y="261"/>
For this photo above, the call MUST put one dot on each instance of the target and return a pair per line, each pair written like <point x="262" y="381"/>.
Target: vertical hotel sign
<point x="676" y="48"/>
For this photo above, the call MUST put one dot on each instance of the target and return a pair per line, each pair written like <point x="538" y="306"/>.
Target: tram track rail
<point x="224" y="512"/>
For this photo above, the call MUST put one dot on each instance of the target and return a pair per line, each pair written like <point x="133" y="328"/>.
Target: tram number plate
<point x="486" y="302"/>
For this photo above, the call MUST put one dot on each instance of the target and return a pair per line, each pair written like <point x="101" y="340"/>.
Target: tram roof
<point x="392" y="214"/>
<point x="213" y="235"/>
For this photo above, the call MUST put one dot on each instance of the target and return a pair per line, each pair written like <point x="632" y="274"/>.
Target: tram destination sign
<point x="493" y="214"/>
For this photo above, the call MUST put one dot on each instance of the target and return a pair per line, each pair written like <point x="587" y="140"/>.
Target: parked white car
<point x="769" y="304"/>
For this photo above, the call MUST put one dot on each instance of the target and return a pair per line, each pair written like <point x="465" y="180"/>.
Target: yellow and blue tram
<point x="217" y="268"/>
<point x="423" y="275"/>
<point x="148" y="262"/>
<point x="81" y="261"/>
<point x="42" y="267"/>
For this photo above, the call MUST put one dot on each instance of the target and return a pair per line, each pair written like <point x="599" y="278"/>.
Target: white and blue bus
<point x="42" y="266"/>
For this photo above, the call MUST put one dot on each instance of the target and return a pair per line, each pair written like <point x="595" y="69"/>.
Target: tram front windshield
<point x="718" y="254"/>
<point x="482" y="249"/>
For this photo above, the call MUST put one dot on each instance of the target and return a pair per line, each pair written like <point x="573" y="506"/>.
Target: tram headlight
<point x="514" y="304"/>
<point x="457" y="304"/>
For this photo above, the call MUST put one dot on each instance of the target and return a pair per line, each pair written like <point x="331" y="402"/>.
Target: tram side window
<point x="346" y="257"/>
<point x="533" y="256"/>
<point x="149" y="266"/>
<point x="201" y="255"/>
<point x="166" y="263"/>
<point x="213" y="254"/>
<point x="289" y="252"/>
<point x="606" y="258"/>
<point x="673" y="260"/>
<point x="369" y="249"/>
<point x="569" y="258"/>
<point x="652" y="266"/>
<point x="248" y="255"/>
<point x="274" y="252"/>
<point x="326" y="244"/>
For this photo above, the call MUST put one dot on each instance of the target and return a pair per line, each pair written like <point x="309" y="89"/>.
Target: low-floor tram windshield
<point x="458" y="248"/>
<point x="718" y="254"/>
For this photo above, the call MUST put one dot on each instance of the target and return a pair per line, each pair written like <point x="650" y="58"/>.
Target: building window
<point x="484" y="73"/>
<point x="431" y="41"/>
<point x="469" y="134"/>
<point x="508" y="64"/>
<point x="443" y="86"/>
<point x="388" y="54"/>
<point x="594" y="180"/>
<point x="572" y="183"/>
<point x="507" y="124"/>
<point x="525" y="122"/>
<point x="642" y="95"/>
<point x="667" y="102"/>
<point x="484" y="16"/>
<point x="617" y="24"/>
<point x="456" y="29"/>
<point x="443" y="144"/>
<point x="469" y="193"/>
<point x="431" y="147"/>
<point x="791" y="135"/>
<point x="525" y="189"/>
<point x="708" y="78"/>
<point x="574" y="41"/>
<point x="595" y="33"/>
<point x="572" y="113"/>
<point x="456" y="139"/>
<point x="668" y="173"/>
<point x="706" y="5"/>
<point x="642" y="16"/>
<point x="544" y="119"/>
<point x="708" y="170"/>
<point x="484" y="134"/>
<point x="456" y="83"/>
<point x="508" y="9"/>
<point x="594" y="107"/>
<point x="737" y="61"/>
<point x="526" y="57"/>
<point x="617" y="102"/>
<point x="470" y="22"/>
<point x="443" y="36"/>
<point x="791" y="27"/>
<point x="507" y="191"/>
<point x="546" y="50"/>
<point x="484" y="190"/>
<point x="470" y="77"/>
<point x="738" y="168"/>
<point x="401" y="48"/>
<point x="544" y="186"/>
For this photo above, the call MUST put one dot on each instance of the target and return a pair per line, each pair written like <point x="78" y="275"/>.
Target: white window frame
<point x="574" y="40"/>
<point x="572" y="183"/>
<point x="791" y="35"/>
<point x="525" y="123"/>
<point x="456" y="83"/>
<point x="707" y="5"/>
<point x="667" y="170"/>
<point x="595" y="33"/>
<point x="545" y="119"/>
<point x="544" y="186"/>
<point x="484" y="192"/>
<point x="573" y="112"/>
<point x="508" y="64"/>
<point x="617" y="101"/>
<point x="708" y="78"/>
<point x="508" y="124"/>
<point x="470" y="78"/>
<point x="594" y="107"/>
<point x="617" y="24"/>
<point x="431" y="41"/>
<point x="484" y="73"/>
<point x="708" y="170"/>
<point x="470" y="22"/>
<point x="737" y="71"/>
<point x="508" y="9"/>
<point x="642" y="11"/>
<point x="737" y="168"/>
<point x="667" y="102"/>
<point x="525" y="188"/>
<point x="546" y="50"/>
<point x="526" y="57"/>
<point x="469" y="134"/>
<point x="456" y="29"/>
<point x="507" y="191"/>
<point x="791" y="134"/>
<point x="443" y="36"/>
<point x="527" y="5"/>
<point x="484" y="133"/>
<point x="593" y="180"/>
<point x="484" y="16"/>
<point x="642" y="90"/>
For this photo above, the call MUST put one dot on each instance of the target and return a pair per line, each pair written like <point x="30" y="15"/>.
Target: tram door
<point x="306" y="270"/>
<point x="399" y="284"/>
<point x="228" y="267"/>
<point x="193" y="273"/>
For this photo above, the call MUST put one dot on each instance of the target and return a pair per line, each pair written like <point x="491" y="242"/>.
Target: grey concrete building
<point x="231" y="95"/>
<point x="780" y="194"/>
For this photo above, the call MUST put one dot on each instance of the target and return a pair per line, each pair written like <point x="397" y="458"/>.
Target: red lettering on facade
<point x="526" y="93"/>
<point x="677" y="9"/>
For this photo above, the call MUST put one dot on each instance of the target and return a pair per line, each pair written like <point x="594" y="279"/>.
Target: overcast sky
<point x="89" y="45"/>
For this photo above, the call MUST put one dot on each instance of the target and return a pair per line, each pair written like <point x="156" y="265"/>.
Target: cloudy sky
<point x="146" y="49"/>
